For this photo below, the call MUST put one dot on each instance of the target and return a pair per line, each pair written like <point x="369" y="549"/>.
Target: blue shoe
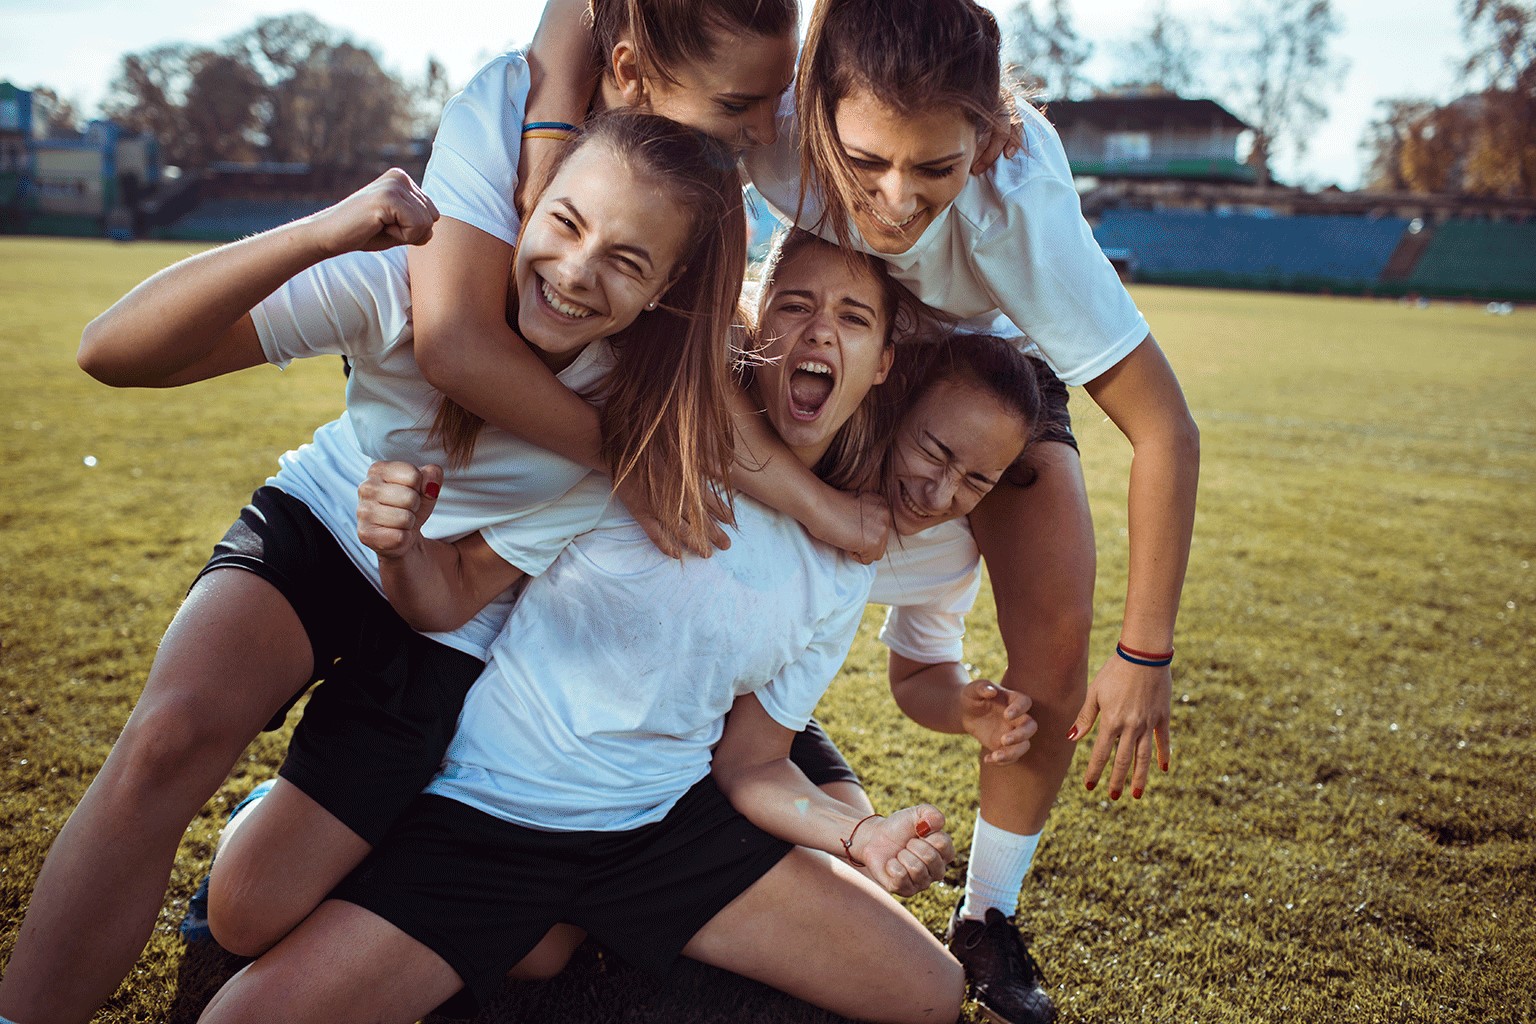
<point x="194" y="924"/>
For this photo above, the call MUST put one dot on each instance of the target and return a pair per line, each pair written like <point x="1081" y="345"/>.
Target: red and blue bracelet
<point x="1136" y="657"/>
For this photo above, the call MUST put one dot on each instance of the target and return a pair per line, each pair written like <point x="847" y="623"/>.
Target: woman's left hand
<point x="1132" y="704"/>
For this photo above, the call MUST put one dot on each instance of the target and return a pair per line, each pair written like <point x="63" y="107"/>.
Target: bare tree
<point x="429" y="98"/>
<point x="1283" y="65"/>
<point x="1501" y="37"/>
<point x="61" y="117"/>
<point x="1047" y="52"/>
<point x="1161" y="54"/>
<point x="149" y="94"/>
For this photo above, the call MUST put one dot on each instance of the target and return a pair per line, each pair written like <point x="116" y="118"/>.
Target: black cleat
<point x="1004" y="977"/>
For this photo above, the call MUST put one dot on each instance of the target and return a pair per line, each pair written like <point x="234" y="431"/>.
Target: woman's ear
<point x="624" y="64"/>
<point x="887" y="357"/>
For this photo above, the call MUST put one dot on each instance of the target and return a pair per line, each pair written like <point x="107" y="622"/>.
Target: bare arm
<point x="434" y="586"/>
<point x="767" y="470"/>
<point x="941" y="697"/>
<point x="906" y="851"/>
<point x="191" y="321"/>
<point x="1143" y="398"/>
<point x="562" y="81"/>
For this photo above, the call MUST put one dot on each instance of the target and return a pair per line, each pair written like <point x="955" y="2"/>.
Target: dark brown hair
<point x="669" y="33"/>
<point x="665" y="417"/>
<point x="913" y="55"/>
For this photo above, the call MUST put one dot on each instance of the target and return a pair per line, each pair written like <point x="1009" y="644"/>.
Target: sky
<point x="1394" y="48"/>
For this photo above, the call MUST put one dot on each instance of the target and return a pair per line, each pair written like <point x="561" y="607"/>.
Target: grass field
<point x="1347" y="834"/>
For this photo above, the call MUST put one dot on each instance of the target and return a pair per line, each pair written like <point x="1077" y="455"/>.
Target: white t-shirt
<point x="473" y="170"/>
<point x="930" y="580"/>
<point x="608" y="688"/>
<point x="1013" y="244"/>
<point x="527" y="502"/>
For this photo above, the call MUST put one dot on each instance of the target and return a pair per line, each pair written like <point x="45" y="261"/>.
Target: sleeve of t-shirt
<point x="790" y="697"/>
<point x="532" y="538"/>
<point x="348" y="305"/>
<point x="933" y="632"/>
<point x="1047" y="273"/>
<point x="472" y="173"/>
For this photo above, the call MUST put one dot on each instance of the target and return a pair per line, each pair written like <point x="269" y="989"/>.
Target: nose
<point x="940" y="491"/>
<point x="762" y="128"/>
<point x="819" y="328"/>
<point x="576" y="271"/>
<point x="896" y="194"/>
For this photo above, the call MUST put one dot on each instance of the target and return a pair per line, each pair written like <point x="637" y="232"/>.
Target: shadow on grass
<point x="203" y="970"/>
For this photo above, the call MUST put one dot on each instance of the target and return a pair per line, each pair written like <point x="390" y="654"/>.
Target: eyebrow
<point x="949" y="454"/>
<point x="847" y="300"/>
<point x="753" y="97"/>
<point x="864" y="154"/>
<point x="621" y="247"/>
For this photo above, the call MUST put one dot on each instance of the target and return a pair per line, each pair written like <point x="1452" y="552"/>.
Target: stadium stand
<point x="221" y="219"/>
<point x="1251" y="250"/>
<point x="1478" y="258"/>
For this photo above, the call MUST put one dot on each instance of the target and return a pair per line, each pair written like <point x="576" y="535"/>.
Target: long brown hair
<point x="853" y="459"/>
<point x="665" y="416"/>
<point x="667" y="34"/>
<point x="913" y="55"/>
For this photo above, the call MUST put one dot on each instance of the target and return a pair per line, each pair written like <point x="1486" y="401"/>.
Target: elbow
<point x="1187" y="439"/>
<point x="442" y="365"/>
<point x="95" y="355"/>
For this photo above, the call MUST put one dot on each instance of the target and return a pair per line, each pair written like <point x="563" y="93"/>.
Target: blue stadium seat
<point x="220" y="220"/>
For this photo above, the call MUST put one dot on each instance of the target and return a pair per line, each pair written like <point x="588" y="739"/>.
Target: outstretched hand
<point x="1132" y="704"/>
<point x="999" y="720"/>
<point x="393" y="503"/>
<point x="907" y="852"/>
<point x="389" y="211"/>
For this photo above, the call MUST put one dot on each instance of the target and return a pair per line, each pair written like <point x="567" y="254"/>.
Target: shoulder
<point x="505" y="75"/>
<point x="1007" y="191"/>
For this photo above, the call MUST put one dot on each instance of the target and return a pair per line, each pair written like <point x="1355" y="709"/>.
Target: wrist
<point x="1160" y="658"/>
<point x="857" y="839"/>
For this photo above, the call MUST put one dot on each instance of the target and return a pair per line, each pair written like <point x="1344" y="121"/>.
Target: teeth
<point x="560" y="305"/>
<point x="891" y="223"/>
<point x="906" y="500"/>
<point x="810" y="366"/>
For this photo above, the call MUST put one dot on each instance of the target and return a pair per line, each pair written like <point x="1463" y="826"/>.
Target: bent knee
<point x="243" y="922"/>
<point x="168" y="737"/>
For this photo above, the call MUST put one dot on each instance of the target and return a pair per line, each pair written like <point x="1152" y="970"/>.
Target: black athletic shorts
<point x="481" y="892"/>
<point x="814" y="753"/>
<point x="375" y="729"/>
<point x="1055" y="420"/>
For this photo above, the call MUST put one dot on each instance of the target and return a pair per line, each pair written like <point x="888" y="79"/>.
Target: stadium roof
<point x="1143" y="113"/>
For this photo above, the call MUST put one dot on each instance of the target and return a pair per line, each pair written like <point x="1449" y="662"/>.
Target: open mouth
<point x="912" y="508"/>
<point x="810" y="385"/>
<point x="566" y="309"/>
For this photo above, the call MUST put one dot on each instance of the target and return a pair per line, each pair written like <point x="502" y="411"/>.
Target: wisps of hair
<point x="914" y="55"/>
<point x="668" y="34"/>
<point x="665" y="415"/>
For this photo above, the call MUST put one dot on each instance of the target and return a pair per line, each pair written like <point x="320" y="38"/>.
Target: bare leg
<point x="341" y="964"/>
<point x="1038" y="544"/>
<point x="283" y="858"/>
<point x="233" y="654"/>
<point x="887" y="968"/>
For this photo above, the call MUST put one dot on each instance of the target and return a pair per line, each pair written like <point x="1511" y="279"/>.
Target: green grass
<point x="1347" y="833"/>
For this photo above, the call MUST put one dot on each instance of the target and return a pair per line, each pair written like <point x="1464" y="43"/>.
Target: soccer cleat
<point x="1005" y="979"/>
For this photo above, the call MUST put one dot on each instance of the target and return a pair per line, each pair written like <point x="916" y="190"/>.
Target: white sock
<point x="999" y="862"/>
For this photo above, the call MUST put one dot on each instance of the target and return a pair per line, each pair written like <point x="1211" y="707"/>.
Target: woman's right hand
<point x="637" y="502"/>
<point x="393" y="503"/>
<point x="389" y="211"/>
<point x="907" y="852"/>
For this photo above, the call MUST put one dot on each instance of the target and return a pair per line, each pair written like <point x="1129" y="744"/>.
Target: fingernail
<point x="1164" y="766"/>
<point x="923" y="828"/>
<point x="1135" y="794"/>
<point x="432" y="488"/>
<point x="1072" y="735"/>
<point x="1114" y="794"/>
<point x="1090" y="785"/>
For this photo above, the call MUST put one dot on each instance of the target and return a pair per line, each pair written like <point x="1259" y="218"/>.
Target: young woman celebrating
<point x="601" y="290"/>
<point x="893" y="100"/>
<point x="579" y="785"/>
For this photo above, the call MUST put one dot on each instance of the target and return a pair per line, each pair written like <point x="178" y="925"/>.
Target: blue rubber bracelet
<point x="529" y="126"/>
<point x="1148" y="662"/>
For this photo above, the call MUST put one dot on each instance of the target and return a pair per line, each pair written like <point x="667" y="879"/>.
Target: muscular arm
<point x="562" y="80"/>
<point x="192" y="320"/>
<point x="467" y="351"/>
<point x="438" y="586"/>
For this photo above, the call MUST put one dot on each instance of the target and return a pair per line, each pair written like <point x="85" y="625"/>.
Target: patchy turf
<point x="1347" y="834"/>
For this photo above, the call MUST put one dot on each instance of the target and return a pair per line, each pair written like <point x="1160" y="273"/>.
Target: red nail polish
<point x="1090" y="785"/>
<point x="1072" y="735"/>
<point x="1135" y="794"/>
<point x="1164" y="766"/>
<point x="923" y="828"/>
<point x="432" y="488"/>
<point x="1114" y="794"/>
